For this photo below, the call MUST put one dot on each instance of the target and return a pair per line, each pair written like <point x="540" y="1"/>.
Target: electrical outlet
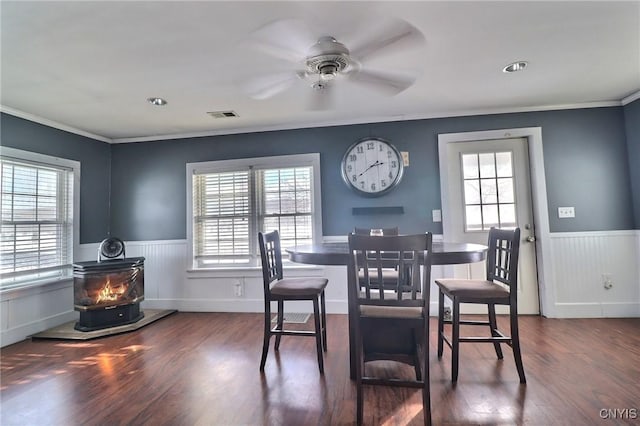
<point x="238" y="288"/>
<point x="566" y="212"/>
<point x="607" y="281"/>
<point x="447" y="313"/>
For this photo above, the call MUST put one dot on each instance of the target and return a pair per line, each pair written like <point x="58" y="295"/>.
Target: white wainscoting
<point x="580" y="261"/>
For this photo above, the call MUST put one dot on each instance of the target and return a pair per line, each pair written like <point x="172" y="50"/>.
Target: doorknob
<point x="531" y="239"/>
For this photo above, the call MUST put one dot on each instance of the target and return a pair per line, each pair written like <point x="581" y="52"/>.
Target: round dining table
<point x="337" y="253"/>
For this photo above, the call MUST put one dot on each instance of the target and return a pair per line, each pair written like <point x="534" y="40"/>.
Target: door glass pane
<point x="507" y="215"/>
<point x="489" y="190"/>
<point x="471" y="192"/>
<point x="487" y="165"/>
<point x="505" y="190"/>
<point x="470" y="166"/>
<point x="503" y="164"/>
<point x="490" y="216"/>
<point x="474" y="218"/>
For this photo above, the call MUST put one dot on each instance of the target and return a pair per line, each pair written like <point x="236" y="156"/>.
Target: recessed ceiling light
<point x="516" y="66"/>
<point x="157" y="101"/>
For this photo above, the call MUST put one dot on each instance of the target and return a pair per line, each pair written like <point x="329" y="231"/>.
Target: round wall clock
<point x="372" y="167"/>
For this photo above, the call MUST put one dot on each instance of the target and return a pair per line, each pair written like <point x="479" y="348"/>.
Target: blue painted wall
<point x="585" y="155"/>
<point x="95" y="167"/>
<point x="632" y="125"/>
<point x="591" y="162"/>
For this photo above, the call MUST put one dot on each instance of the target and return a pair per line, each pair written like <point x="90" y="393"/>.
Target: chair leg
<point x="316" y="318"/>
<point x="267" y="334"/>
<point x="359" y="366"/>
<point x="280" y="321"/>
<point x="426" y="389"/>
<point x="515" y="345"/>
<point x="440" y="321"/>
<point x="455" y="339"/>
<point x="323" y="309"/>
<point x="416" y="354"/>
<point x="494" y="326"/>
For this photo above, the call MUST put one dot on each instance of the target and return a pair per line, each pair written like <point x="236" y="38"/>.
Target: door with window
<point x="489" y="186"/>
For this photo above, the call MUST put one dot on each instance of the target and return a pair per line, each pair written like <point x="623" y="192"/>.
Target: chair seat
<point x="298" y="286"/>
<point x="477" y="289"/>
<point x="408" y="312"/>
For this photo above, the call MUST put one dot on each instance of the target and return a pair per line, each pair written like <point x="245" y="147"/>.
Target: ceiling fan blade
<point x="288" y="39"/>
<point x="396" y="34"/>
<point x="266" y="86"/>
<point x="387" y="83"/>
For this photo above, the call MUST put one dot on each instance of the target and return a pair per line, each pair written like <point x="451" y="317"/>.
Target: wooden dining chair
<point x="387" y="325"/>
<point x="389" y="273"/>
<point x="499" y="288"/>
<point x="279" y="289"/>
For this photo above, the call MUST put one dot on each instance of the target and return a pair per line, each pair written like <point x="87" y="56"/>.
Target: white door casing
<point x="451" y="214"/>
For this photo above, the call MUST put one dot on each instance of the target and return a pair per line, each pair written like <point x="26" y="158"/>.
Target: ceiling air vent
<point x="222" y="114"/>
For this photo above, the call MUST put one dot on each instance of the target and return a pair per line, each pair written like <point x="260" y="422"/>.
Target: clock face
<point x="372" y="166"/>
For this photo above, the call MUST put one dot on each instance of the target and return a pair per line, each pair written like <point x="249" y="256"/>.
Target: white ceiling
<point x="89" y="66"/>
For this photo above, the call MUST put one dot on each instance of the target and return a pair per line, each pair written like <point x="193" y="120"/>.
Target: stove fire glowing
<point x="108" y="293"/>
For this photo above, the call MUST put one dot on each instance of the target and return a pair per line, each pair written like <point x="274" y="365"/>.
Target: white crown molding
<point x="292" y="126"/>
<point x="51" y="123"/>
<point x="631" y="98"/>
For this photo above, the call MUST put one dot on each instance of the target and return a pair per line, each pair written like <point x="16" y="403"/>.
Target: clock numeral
<point x="360" y="149"/>
<point x="349" y="168"/>
<point x="381" y="147"/>
<point x="370" y="145"/>
<point x="353" y="157"/>
<point x="394" y="164"/>
<point x="383" y="183"/>
<point x="354" y="178"/>
<point x="362" y="185"/>
<point x="389" y="153"/>
<point x="373" y="186"/>
<point x="390" y="175"/>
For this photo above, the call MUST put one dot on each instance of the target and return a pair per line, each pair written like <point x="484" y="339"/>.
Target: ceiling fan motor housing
<point x="327" y="58"/>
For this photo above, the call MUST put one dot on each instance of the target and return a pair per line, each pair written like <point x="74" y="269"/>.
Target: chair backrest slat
<point x="271" y="257"/>
<point x="373" y="254"/>
<point x="502" y="257"/>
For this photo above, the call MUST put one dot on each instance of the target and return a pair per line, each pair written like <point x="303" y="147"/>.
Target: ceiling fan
<point x="327" y="63"/>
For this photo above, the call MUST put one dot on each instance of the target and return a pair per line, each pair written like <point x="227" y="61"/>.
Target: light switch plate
<point x="437" y="215"/>
<point x="566" y="212"/>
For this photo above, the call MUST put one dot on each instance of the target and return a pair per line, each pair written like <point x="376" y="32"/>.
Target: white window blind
<point x="230" y="206"/>
<point x="37" y="221"/>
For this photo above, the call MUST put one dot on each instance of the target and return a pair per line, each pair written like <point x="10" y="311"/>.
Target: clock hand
<point x="377" y="163"/>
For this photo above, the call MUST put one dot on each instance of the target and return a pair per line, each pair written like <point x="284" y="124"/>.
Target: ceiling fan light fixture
<point x="157" y="101"/>
<point x="515" y="66"/>
<point x="328" y="70"/>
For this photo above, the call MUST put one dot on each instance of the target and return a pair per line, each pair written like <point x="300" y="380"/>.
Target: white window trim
<point x="219" y="166"/>
<point x="60" y="162"/>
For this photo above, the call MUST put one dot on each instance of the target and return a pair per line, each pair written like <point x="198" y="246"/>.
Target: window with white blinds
<point x="232" y="200"/>
<point x="37" y="219"/>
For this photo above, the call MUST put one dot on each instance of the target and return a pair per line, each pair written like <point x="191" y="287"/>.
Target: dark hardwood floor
<point x="202" y="369"/>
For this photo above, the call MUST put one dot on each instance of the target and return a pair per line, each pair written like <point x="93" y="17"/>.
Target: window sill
<point x="35" y="287"/>
<point x="252" y="271"/>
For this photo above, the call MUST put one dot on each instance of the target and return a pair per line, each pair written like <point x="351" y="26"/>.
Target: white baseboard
<point x="597" y="310"/>
<point x="238" y="305"/>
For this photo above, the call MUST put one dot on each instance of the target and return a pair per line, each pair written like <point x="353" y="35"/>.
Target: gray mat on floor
<point x="66" y="331"/>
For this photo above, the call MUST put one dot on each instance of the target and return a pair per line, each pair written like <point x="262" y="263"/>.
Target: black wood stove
<point x="108" y="292"/>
